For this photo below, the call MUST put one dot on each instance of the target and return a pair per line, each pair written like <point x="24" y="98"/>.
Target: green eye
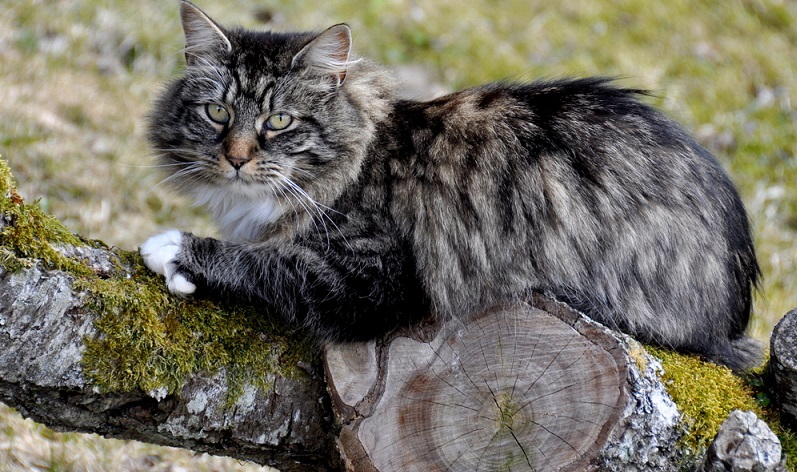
<point x="278" y="121"/>
<point x="217" y="113"/>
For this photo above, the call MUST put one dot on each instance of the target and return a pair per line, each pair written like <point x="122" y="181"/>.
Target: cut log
<point x="531" y="386"/>
<point x="783" y="365"/>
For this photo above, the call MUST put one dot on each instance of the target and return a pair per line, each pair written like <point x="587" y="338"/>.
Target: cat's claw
<point x="159" y="253"/>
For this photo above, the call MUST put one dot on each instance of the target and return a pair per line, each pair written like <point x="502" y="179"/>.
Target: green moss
<point x="706" y="393"/>
<point x="788" y="441"/>
<point x="30" y="234"/>
<point x="146" y="338"/>
<point x="149" y="339"/>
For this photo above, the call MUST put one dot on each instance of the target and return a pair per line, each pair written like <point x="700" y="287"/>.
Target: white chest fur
<point x="239" y="216"/>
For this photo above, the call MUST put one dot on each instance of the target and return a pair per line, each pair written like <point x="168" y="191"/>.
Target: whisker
<point x="183" y="152"/>
<point x="279" y="186"/>
<point x="155" y="166"/>
<point x="317" y="204"/>
<point x="304" y="171"/>
<point x="306" y="208"/>
<point x="190" y="172"/>
<point x="319" y="208"/>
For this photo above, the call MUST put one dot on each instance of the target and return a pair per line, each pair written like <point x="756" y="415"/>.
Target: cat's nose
<point x="238" y="162"/>
<point x="239" y="148"/>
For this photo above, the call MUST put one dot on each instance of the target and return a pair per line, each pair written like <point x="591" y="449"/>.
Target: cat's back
<point x="575" y="187"/>
<point x="557" y="140"/>
<point x="549" y="115"/>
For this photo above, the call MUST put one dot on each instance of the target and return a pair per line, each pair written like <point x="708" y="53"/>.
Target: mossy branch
<point x="92" y="341"/>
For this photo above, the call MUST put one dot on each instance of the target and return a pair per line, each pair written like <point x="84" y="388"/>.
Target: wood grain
<point x="517" y="388"/>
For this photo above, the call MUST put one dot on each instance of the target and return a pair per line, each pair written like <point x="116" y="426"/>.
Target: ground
<point x="76" y="78"/>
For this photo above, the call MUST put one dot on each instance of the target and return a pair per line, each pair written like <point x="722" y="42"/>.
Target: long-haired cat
<point x="350" y="212"/>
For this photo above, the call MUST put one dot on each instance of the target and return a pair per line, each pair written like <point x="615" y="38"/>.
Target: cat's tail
<point x="739" y="354"/>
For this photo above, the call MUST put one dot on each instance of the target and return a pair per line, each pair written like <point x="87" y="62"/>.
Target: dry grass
<point x="76" y="77"/>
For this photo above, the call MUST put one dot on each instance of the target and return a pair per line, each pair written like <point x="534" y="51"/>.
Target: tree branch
<point x="90" y="341"/>
<point x="43" y="324"/>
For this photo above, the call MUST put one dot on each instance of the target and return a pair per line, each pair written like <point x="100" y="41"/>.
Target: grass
<point x="76" y="78"/>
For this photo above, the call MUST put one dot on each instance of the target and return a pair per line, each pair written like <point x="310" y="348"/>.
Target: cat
<point x="351" y="212"/>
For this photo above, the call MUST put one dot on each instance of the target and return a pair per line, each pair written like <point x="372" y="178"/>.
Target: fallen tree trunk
<point x="43" y="326"/>
<point x="529" y="386"/>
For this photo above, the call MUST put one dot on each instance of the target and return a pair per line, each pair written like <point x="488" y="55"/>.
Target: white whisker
<point x="192" y="173"/>
<point x="320" y="212"/>
<point x="155" y="166"/>
<point x="292" y="190"/>
<point x="304" y="171"/>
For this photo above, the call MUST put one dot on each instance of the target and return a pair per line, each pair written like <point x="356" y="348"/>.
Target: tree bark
<point x="783" y="365"/>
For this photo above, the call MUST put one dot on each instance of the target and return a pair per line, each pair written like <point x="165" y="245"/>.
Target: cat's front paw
<point x="159" y="253"/>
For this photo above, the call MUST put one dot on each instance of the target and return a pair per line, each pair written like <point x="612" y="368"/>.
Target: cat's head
<point x="284" y="116"/>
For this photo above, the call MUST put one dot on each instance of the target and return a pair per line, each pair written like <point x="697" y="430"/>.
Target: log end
<point x="518" y="387"/>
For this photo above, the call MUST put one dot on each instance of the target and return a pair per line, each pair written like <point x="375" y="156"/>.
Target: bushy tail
<point x="739" y="354"/>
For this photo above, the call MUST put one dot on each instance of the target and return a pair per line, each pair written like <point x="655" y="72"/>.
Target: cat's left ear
<point x="327" y="54"/>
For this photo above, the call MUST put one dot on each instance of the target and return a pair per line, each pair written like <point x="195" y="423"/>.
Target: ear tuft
<point x="327" y="54"/>
<point x="204" y="38"/>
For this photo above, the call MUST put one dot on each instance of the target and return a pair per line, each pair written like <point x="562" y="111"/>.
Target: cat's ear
<point x="328" y="53"/>
<point x="204" y="38"/>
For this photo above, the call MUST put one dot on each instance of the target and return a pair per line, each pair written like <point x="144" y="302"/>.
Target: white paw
<point x="179" y="285"/>
<point x="159" y="253"/>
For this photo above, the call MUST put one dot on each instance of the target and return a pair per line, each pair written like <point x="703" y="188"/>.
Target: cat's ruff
<point x="240" y="216"/>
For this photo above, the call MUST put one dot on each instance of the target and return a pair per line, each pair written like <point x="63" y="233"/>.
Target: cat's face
<point x="256" y="115"/>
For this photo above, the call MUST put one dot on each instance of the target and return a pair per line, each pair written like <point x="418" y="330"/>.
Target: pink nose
<point x="238" y="162"/>
<point x="239" y="148"/>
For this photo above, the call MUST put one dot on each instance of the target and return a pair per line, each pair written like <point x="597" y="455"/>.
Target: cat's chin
<point x="241" y="212"/>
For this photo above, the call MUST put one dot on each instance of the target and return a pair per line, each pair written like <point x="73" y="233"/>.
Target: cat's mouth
<point x="238" y="180"/>
<point x="238" y="176"/>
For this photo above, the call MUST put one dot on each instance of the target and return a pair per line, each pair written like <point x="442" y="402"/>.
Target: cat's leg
<point x="355" y="289"/>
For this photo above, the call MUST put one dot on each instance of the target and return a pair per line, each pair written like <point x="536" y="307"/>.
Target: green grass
<point x="76" y="79"/>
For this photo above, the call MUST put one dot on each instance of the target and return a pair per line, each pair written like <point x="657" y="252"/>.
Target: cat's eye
<point x="279" y="121"/>
<point x="217" y="113"/>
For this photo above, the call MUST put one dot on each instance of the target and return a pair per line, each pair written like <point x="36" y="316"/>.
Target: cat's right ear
<point x="204" y="38"/>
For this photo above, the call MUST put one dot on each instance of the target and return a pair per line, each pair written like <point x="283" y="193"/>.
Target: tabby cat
<point x="351" y="212"/>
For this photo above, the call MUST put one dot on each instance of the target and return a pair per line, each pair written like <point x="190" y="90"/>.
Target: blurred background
<point x="77" y="77"/>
